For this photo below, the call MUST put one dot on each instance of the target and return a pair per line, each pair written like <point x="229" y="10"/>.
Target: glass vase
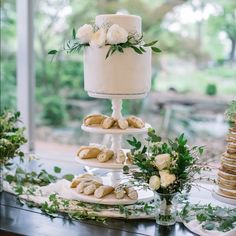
<point x="166" y="208"/>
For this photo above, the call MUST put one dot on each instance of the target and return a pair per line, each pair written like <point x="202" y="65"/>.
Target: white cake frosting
<point x="131" y="23"/>
<point x="125" y="74"/>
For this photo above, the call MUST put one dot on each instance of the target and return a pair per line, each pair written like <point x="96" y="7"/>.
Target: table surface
<point x="18" y="219"/>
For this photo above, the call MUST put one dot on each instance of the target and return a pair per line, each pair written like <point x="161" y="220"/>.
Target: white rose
<point x="154" y="182"/>
<point x="84" y="33"/>
<point x="98" y="39"/>
<point x="116" y="34"/>
<point x="166" y="178"/>
<point x="162" y="161"/>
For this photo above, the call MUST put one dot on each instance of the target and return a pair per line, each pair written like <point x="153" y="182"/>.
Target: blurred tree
<point x="225" y="21"/>
<point x="8" y="55"/>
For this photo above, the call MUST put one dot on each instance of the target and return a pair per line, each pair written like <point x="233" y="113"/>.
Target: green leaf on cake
<point x="137" y="50"/>
<point x="150" y="44"/>
<point x="154" y="49"/>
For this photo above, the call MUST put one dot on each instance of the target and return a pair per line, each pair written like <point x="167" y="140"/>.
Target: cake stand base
<point x="120" y="96"/>
<point x="222" y="198"/>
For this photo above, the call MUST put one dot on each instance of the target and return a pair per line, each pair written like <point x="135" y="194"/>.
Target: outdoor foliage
<point x="11" y="138"/>
<point x="207" y="58"/>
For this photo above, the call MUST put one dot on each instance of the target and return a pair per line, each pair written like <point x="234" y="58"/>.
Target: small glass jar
<point x="166" y="208"/>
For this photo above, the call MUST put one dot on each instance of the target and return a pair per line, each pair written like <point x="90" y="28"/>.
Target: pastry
<point x="122" y="123"/>
<point x="80" y="178"/>
<point x="95" y="119"/>
<point x="130" y="157"/>
<point x="132" y="193"/>
<point x="119" y="192"/>
<point x="108" y="122"/>
<point x="87" y="152"/>
<point x="105" y="155"/>
<point x="120" y="158"/>
<point x="103" y="191"/>
<point x="90" y="189"/>
<point x="135" y="122"/>
<point x="228" y="155"/>
<point x="82" y="185"/>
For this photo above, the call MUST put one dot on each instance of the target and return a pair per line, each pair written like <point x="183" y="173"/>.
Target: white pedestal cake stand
<point x="112" y="165"/>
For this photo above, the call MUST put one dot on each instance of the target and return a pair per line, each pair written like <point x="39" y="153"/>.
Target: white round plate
<point x="121" y="96"/>
<point x="110" y="199"/>
<point x="220" y="197"/>
<point x="99" y="130"/>
<point x="93" y="162"/>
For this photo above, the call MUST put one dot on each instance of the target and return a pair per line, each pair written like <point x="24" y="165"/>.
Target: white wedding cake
<point x="126" y="74"/>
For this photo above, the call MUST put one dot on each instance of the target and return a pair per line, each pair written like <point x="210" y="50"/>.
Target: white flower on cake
<point x="116" y="35"/>
<point x="154" y="182"/>
<point x="99" y="38"/>
<point x="166" y="178"/>
<point x="85" y="33"/>
<point x="162" y="161"/>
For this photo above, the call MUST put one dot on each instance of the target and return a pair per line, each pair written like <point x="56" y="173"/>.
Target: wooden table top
<point x="16" y="219"/>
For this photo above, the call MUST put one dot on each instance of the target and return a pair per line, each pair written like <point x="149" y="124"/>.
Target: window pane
<point x="8" y="55"/>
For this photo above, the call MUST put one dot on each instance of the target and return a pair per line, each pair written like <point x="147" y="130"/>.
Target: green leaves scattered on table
<point x="211" y="218"/>
<point x="22" y="177"/>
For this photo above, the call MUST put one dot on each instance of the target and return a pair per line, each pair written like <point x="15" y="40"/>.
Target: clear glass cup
<point x="166" y="208"/>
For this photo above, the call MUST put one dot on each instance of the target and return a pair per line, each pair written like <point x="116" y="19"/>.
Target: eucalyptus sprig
<point x="135" y="43"/>
<point x="21" y="177"/>
<point x="71" y="46"/>
<point x="210" y="217"/>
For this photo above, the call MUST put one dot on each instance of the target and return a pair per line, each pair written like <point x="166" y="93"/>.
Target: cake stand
<point x="115" y="169"/>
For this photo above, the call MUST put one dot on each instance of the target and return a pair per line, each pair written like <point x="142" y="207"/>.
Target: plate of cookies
<point x="90" y="188"/>
<point x="102" y="124"/>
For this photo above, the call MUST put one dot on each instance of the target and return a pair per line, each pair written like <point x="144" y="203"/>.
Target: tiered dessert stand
<point x="115" y="175"/>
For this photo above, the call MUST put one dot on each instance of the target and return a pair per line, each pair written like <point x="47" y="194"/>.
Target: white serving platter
<point x="110" y="199"/>
<point x="99" y="130"/>
<point x="218" y="195"/>
<point x="111" y="164"/>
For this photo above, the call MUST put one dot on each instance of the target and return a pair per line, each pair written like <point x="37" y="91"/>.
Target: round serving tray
<point x="143" y="196"/>
<point x="99" y="130"/>
<point x="218" y="195"/>
<point x="120" y="96"/>
<point x="111" y="164"/>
